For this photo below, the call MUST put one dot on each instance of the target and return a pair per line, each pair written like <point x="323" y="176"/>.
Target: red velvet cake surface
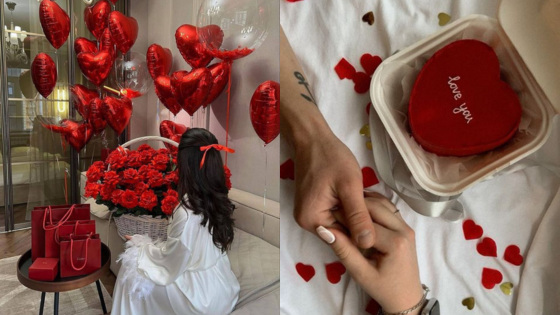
<point x="459" y="105"/>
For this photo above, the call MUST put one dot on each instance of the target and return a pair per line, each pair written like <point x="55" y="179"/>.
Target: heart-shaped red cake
<point x="459" y="105"/>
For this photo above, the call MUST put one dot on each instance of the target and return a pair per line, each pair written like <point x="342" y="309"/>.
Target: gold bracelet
<point x="410" y="310"/>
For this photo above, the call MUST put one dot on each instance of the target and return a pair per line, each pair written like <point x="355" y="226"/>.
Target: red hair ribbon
<point x="218" y="147"/>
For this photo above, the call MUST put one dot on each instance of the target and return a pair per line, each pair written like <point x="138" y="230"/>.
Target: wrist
<point x="409" y="304"/>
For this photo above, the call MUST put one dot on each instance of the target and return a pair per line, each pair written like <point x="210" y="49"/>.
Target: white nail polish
<point x="326" y="235"/>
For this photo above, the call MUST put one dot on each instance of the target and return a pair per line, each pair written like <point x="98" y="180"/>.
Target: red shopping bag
<point x="53" y="215"/>
<point x="52" y="235"/>
<point x="79" y="254"/>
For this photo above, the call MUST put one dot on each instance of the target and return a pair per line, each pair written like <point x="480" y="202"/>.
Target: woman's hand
<point x="128" y="237"/>
<point x="389" y="272"/>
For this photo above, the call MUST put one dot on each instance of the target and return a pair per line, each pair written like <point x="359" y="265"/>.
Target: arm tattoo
<point x="302" y="81"/>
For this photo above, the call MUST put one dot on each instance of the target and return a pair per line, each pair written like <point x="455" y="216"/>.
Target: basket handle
<point x="150" y="138"/>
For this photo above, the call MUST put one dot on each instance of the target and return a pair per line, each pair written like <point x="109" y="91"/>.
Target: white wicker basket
<point x="128" y="224"/>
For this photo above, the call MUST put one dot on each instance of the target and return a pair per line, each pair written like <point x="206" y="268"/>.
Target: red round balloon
<point x="82" y="44"/>
<point x="96" y="17"/>
<point x="190" y="47"/>
<point x="163" y="90"/>
<point x="191" y="88"/>
<point x="117" y="112"/>
<point x="265" y="111"/>
<point x="81" y="98"/>
<point x="171" y="131"/>
<point x="159" y="60"/>
<point x="77" y="134"/>
<point x="43" y="74"/>
<point x="220" y="76"/>
<point x="95" y="66"/>
<point x="124" y="30"/>
<point x="94" y="116"/>
<point x="55" y="23"/>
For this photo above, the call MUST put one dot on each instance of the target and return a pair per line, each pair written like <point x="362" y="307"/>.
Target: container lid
<point x="533" y="27"/>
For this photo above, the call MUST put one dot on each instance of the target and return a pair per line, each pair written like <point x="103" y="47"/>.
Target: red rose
<point x="94" y="173"/>
<point x="140" y="188"/>
<point x="144" y="147"/>
<point x="148" y="200"/>
<point x="92" y="190"/>
<point x="130" y="176"/>
<point x="168" y="204"/>
<point x="116" y="196"/>
<point x="171" y="193"/>
<point x="134" y="159"/>
<point x="172" y="178"/>
<point x="163" y="151"/>
<point x="160" y="162"/>
<point x="146" y="153"/>
<point x="129" y="199"/>
<point x="106" y="192"/>
<point x="111" y="178"/>
<point x="144" y="171"/>
<point x="228" y="176"/>
<point x="116" y="160"/>
<point x="155" y="178"/>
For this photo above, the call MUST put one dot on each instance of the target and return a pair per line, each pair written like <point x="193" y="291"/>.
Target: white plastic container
<point x="526" y="38"/>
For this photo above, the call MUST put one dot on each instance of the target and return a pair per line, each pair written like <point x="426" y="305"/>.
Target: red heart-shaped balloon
<point x="43" y="74"/>
<point x="95" y="66"/>
<point x="107" y="44"/>
<point x="82" y="44"/>
<point x="93" y="113"/>
<point x="471" y="230"/>
<point x="82" y="97"/>
<point x="77" y="134"/>
<point x="191" y="88"/>
<point x="159" y="60"/>
<point x="163" y="90"/>
<point x="459" y="106"/>
<point x="487" y="247"/>
<point x="491" y="277"/>
<point x="96" y="17"/>
<point x="265" y="111"/>
<point x="171" y="131"/>
<point x="513" y="255"/>
<point x="220" y="76"/>
<point x="335" y="271"/>
<point x="117" y="112"/>
<point x="124" y="30"/>
<point x="55" y="23"/>
<point x="191" y="48"/>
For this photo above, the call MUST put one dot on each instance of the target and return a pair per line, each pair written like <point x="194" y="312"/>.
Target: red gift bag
<point x="79" y="255"/>
<point x="53" y="215"/>
<point x="52" y="235"/>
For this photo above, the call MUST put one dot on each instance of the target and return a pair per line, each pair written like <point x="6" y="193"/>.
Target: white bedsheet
<point x="520" y="206"/>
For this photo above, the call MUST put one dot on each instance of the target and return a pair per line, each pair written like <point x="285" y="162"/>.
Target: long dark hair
<point x="205" y="187"/>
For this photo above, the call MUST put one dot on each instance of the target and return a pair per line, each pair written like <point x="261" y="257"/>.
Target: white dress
<point x="187" y="274"/>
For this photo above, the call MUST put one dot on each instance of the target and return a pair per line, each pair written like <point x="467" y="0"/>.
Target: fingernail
<point x="365" y="238"/>
<point x="326" y="235"/>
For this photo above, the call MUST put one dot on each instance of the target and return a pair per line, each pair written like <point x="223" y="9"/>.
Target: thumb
<point x="349" y="255"/>
<point x="357" y="215"/>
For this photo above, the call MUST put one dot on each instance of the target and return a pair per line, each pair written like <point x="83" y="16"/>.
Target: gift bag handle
<point x="61" y="222"/>
<point x="57" y="238"/>
<point x="72" y="254"/>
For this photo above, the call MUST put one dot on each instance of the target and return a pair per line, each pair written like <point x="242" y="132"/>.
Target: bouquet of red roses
<point x="140" y="182"/>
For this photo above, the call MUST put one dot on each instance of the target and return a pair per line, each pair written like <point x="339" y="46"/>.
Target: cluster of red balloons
<point x="188" y="90"/>
<point x="95" y="59"/>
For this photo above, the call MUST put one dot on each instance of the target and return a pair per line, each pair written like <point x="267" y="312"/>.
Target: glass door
<point x="38" y="167"/>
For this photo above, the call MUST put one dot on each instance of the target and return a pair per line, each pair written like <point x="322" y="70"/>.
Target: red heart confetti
<point x="369" y="177"/>
<point x="287" y="170"/>
<point x="513" y="255"/>
<point x="471" y="230"/>
<point x="370" y="63"/>
<point x="491" y="277"/>
<point x="368" y="107"/>
<point x="306" y="272"/>
<point x="344" y="69"/>
<point x="293" y="0"/>
<point x="361" y="82"/>
<point x="335" y="271"/>
<point x="487" y="247"/>
<point x="373" y="307"/>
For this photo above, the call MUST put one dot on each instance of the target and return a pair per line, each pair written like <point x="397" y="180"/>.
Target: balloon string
<point x="227" y="112"/>
<point x="157" y="114"/>
<point x="264" y="197"/>
<point x="66" y="185"/>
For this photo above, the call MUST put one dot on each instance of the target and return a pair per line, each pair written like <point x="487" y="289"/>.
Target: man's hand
<point x="328" y="176"/>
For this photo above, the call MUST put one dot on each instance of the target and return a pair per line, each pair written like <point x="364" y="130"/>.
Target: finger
<point x="312" y="209"/>
<point x="350" y="256"/>
<point x="383" y="235"/>
<point x="357" y="217"/>
<point x="386" y="216"/>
